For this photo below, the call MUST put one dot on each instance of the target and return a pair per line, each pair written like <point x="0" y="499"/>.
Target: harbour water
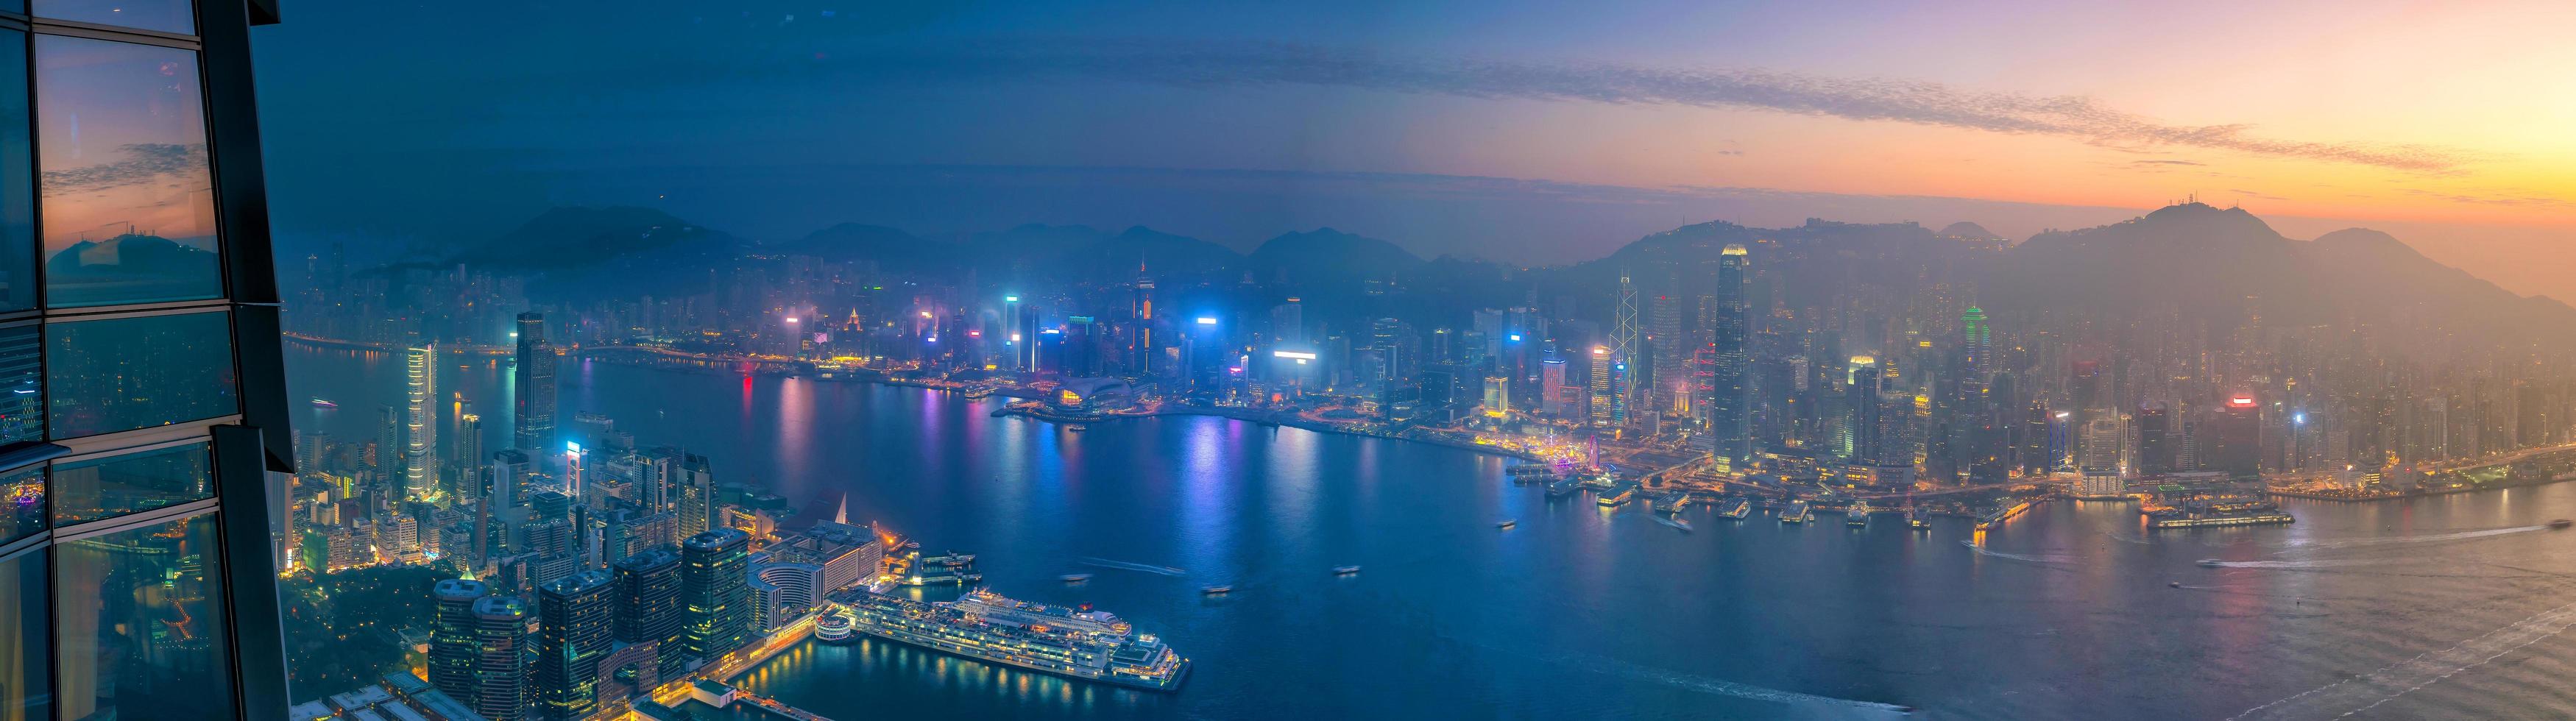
<point x="2446" y="607"/>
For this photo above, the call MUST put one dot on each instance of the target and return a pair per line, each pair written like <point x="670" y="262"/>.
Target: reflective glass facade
<point x="141" y="406"/>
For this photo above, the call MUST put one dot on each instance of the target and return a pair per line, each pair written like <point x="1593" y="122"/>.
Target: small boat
<point x="1075" y="577"/>
<point x="1507" y="523"/>
<point x="2173" y="584"/>
<point x="1345" y="570"/>
<point x="1216" y="590"/>
<point x="2561" y="524"/>
<point x="2212" y="563"/>
<point x="1077" y="428"/>
<point x="1682" y="525"/>
<point x="319" y="402"/>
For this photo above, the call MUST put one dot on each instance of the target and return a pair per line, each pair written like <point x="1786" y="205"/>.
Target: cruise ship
<point x="986" y="626"/>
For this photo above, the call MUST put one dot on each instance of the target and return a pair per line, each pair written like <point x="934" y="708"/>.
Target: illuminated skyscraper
<point x="500" y="691"/>
<point x="533" y="388"/>
<point x="1728" y="408"/>
<point x="574" y="625"/>
<point x="648" y="604"/>
<point x="451" y="635"/>
<point x="1866" y="382"/>
<point x="715" y="593"/>
<point x="420" y="422"/>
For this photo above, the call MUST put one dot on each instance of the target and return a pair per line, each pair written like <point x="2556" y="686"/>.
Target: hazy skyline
<point x="1524" y="133"/>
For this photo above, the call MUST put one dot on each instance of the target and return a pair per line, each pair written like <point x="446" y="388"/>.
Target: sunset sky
<point x="1531" y="132"/>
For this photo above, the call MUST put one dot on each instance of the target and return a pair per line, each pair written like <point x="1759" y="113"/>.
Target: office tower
<point x="386" y="458"/>
<point x="500" y="690"/>
<point x="648" y="603"/>
<point x="1864" y="386"/>
<point x="574" y="625"/>
<point x="715" y="598"/>
<point x="135" y="266"/>
<point x="2238" y="432"/>
<point x="2102" y="447"/>
<point x="420" y="422"/>
<point x="693" y="486"/>
<point x="1626" y="343"/>
<point x="533" y="391"/>
<point x="1551" y="376"/>
<point x="2155" y="439"/>
<point x="1498" y="397"/>
<point x="1976" y="344"/>
<point x="451" y="635"/>
<point x="469" y="457"/>
<point x="785" y="590"/>
<point x="1729" y="413"/>
<point x="2033" y="453"/>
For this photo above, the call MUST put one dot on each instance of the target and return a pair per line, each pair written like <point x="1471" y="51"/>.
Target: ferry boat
<point x="1858" y="515"/>
<point x="2219" y="513"/>
<point x="1617" y="498"/>
<point x="1077" y="428"/>
<point x="957" y="568"/>
<point x="834" y="628"/>
<point x="1996" y="516"/>
<point x="1797" y="512"/>
<point x="1345" y="570"/>
<point x="2212" y="563"/>
<point x="1914" y="520"/>
<point x="1216" y="590"/>
<point x="981" y="625"/>
<point x="1739" y="510"/>
<point x="1075" y="577"/>
<point x="1507" y="523"/>
<point x="1564" y="487"/>
<point x="2561" y="524"/>
<point x="1677" y="523"/>
<point x="320" y="402"/>
<point x="1528" y="473"/>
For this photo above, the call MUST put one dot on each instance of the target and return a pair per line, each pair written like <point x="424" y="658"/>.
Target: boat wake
<point x="1718" y="687"/>
<point x="2050" y="559"/>
<point x="1133" y="566"/>
<point x="2130" y="539"/>
<point x="2424" y="538"/>
<point x="2294" y="565"/>
<point x="2367" y="691"/>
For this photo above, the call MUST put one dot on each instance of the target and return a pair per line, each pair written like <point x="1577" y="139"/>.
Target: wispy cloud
<point x="1868" y="99"/>
<point x="2509" y="199"/>
<point x="2165" y="162"/>
<point x="136" y="164"/>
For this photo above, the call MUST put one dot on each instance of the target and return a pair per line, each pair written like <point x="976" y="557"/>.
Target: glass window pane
<point x="140" y="617"/>
<point x="24" y="676"/>
<point x="169" y="16"/>
<point x="17" y="178"/>
<point x="22" y="509"/>
<point x="129" y="208"/>
<point x="118" y="485"/>
<point x="128" y="373"/>
<point x="22" y="409"/>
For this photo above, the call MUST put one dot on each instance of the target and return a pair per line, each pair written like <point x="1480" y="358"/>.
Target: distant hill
<point x="2217" y="265"/>
<point x="1325" y="257"/>
<point x="575" y="237"/>
<point x="1964" y="229"/>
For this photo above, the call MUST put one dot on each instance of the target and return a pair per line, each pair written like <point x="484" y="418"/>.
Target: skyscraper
<point x="1866" y="382"/>
<point x="715" y="595"/>
<point x="1729" y="411"/>
<point x="500" y="690"/>
<point x="135" y="267"/>
<point x="574" y="626"/>
<point x="533" y="382"/>
<point x="467" y="480"/>
<point x="451" y="635"/>
<point x="420" y="422"/>
<point x="648" y="603"/>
